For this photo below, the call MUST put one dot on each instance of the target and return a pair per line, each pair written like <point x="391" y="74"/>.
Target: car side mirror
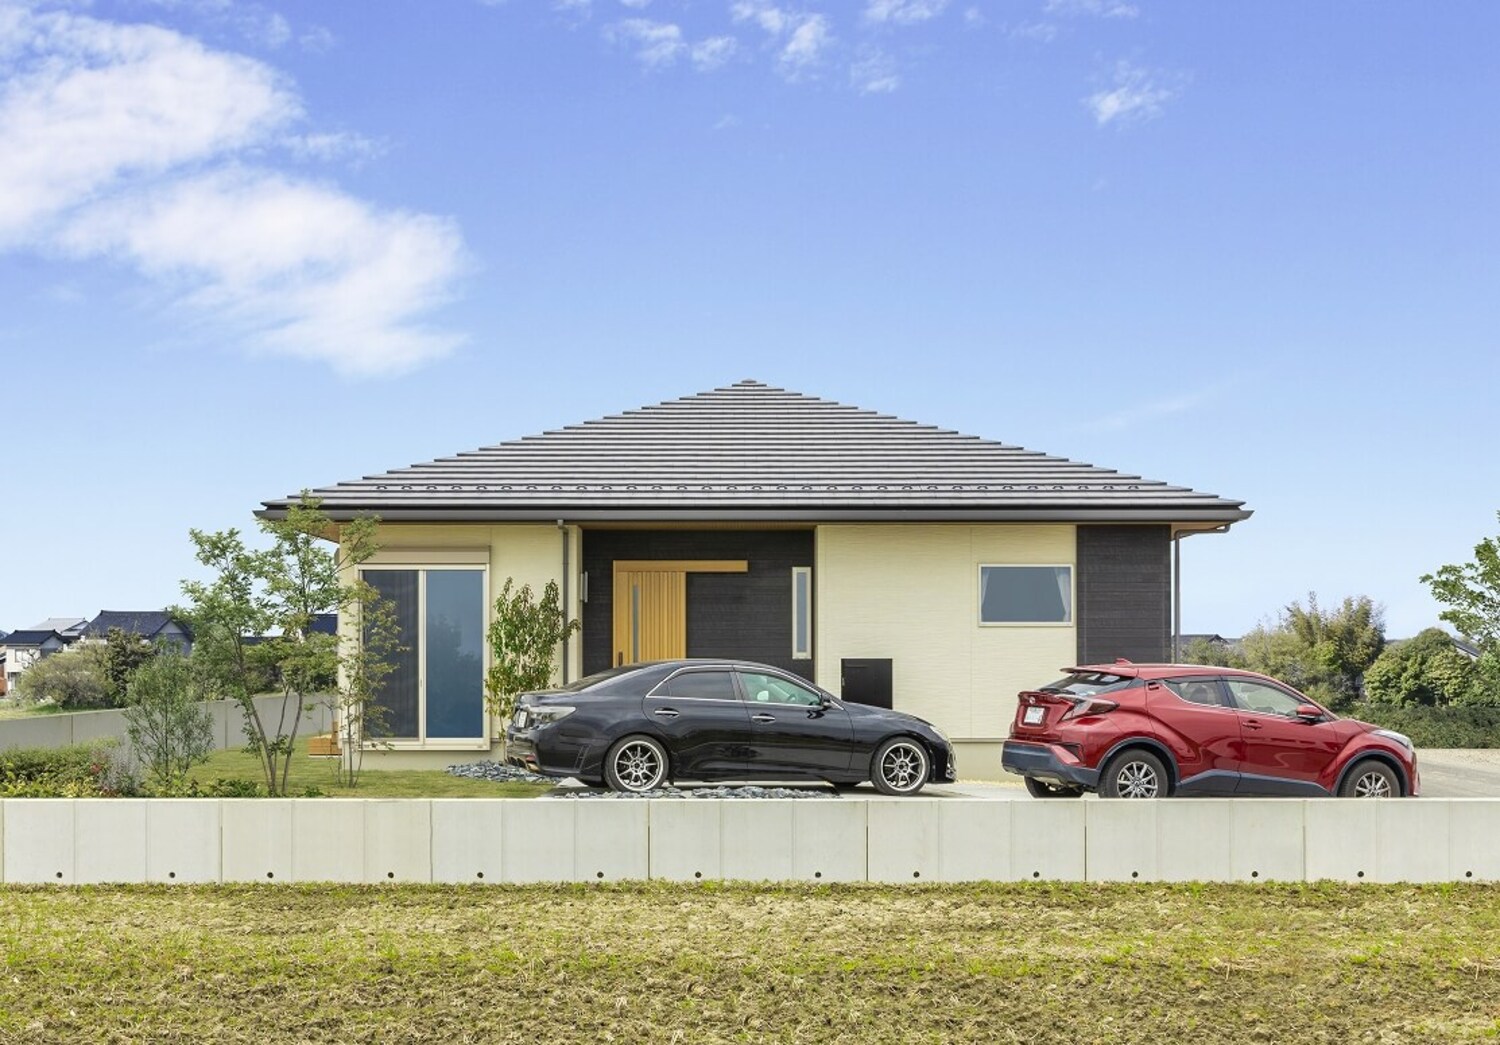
<point x="1310" y="713"/>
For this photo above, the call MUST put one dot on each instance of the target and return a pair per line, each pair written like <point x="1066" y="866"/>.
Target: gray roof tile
<point x="752" y="451"/>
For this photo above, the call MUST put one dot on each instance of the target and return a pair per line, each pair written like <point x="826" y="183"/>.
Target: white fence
<point x="914" y="840"/>
<point x="80" y="727"/>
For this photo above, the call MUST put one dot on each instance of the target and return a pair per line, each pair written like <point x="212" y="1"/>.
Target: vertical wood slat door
<point x="650" y="615"/>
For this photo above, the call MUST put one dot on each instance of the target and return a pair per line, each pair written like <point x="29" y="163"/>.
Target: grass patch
<point x="711" y="963"/>
<point x="317" y="773"/>
<point x="15" y="710"/>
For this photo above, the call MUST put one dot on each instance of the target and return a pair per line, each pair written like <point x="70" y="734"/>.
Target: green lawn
<point x="708" y="963"/>
<point x="10" y="710"/>
<point x="373" y="783"/>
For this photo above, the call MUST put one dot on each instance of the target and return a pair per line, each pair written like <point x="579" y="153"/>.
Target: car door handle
<point x="665" y="712"/>
<point x="762" y="718"/>
<point x="1251" y="723"/>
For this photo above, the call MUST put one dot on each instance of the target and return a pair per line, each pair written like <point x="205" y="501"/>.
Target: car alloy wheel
<point x="900" y="767"/>
<point x="1371" y="779"/>
<point x="637" y="764"/>
<point x="1135" y="774"/>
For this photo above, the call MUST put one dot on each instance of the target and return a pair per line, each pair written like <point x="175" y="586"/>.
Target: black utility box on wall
<point x="866" y="680"/>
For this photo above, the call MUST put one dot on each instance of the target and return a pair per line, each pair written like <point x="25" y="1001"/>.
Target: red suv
<point x="1152" y="730"/>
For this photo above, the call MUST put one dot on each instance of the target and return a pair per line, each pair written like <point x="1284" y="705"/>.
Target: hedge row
<point x="1463" y="726"/>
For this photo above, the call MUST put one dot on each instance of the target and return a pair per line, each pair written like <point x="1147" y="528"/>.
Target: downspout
<point x="1177" y="539"/>
<point x="563" y="529"/>
<point x="1176" y="597"/>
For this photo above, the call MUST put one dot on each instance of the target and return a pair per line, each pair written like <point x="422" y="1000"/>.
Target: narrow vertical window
<point x="801" y="612"/>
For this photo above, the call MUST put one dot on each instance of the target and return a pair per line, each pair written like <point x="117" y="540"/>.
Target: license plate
<point x="1034" y="715"/>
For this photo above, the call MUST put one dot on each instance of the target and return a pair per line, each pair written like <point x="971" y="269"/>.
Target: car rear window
<point x="1088" y="683"/>
<point x="634" y="676"/>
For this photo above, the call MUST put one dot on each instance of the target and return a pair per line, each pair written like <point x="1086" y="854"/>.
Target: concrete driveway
<point x="1446" y="773"/>
<point x="1459" y="774"/>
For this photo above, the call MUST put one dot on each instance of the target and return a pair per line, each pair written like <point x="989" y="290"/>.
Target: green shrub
<point x="79" y="771"/>
<point x="171" y="729"/>
<point x="77" y="762"/>
<point x="1457" y="726"/>
<point x="75" y="679"/>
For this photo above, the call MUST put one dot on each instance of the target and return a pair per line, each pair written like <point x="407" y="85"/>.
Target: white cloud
<point x="657" y="44"/>
<point x="326" y="146"/>
<point x="1095" y="8"/>
<point x="805" y="46"/>
<point x="1137" y="95"/>
<point x="874" y="72"/>
<point x="88" y="102"/>
<point x="660" y="44"/>
<point x="806" y="36"/>
<point x="709" y="54"/>
<point x="636" y="4"/>
<point x="763" y="13"/>
<point x="128" y="142"/>
<point x="1041" y="32"/>
<point x="295" y="267"/>
<point x="903" y="12"/>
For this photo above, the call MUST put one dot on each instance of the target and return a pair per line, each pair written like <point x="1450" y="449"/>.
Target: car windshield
<point x="1087" y="683"/>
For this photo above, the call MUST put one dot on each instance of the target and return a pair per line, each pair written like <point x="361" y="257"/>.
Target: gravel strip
<point x="496" y="771"/>
<point x="748" y="791"/>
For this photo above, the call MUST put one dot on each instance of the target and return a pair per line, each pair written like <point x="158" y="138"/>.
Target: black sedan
<point x="636" y="728"/>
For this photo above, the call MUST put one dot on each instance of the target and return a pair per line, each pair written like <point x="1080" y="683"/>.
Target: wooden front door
<point x="650" y="602"/>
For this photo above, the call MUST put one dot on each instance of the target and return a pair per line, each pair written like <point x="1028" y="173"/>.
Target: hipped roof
<point x="749" y="452"/>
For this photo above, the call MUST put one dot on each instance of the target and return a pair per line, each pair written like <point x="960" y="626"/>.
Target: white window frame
<point x="1072" y="595"/>
<point x="798" y="652"/>
<point x="451" y="561"/>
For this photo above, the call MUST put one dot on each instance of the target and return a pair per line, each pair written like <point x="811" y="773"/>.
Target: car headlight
<point x="1400" y="738"/>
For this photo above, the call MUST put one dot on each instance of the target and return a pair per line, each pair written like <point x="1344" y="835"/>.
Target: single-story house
<point x="148" y="625"/>
<point x="891" y="562"/>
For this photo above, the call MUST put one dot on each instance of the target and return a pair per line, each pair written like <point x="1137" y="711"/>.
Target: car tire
<point x="636" y="763"/>
<point x="1371" y="779"/>
<point x="900" y="767"/>
<point x="1041" y="789"/>
<point x="1135" y="774"/>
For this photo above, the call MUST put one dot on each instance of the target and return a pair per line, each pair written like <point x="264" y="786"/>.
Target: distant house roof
<point x="145" y="623"/>
<point x="31" y="637"/>
<point x="67" y="627"/>
<point x="322" y="624"/>
<point x="1467" y="648"/>
<point x="1206" y="637"/>
<point x="750" y="451"/>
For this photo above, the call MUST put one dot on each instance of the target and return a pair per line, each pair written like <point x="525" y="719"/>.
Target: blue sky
<point x="1249" y="248"/>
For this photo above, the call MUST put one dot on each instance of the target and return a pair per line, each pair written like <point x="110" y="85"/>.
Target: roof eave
<point x="1223" y="514"/>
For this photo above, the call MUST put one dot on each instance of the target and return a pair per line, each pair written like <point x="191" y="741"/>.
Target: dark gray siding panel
<point x="1124" y="593"/>
<point x="746" y="615"/>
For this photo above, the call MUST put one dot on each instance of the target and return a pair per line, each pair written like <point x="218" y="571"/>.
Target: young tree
<point x="276" y="592"/>
<point x="166" y="720"/>
<point x="124" y="653"/>
<point x="524" y="638"/>
<point x="356" y="710"/>
<point x="1323" y="653"/>
<point x="1342" y="643"/>
<point x="1424" y="670"/>
<point x="1471" y="591"/>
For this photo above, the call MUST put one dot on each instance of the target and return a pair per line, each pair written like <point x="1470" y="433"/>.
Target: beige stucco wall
<point x="529" y="553"/>
<point x="911" y="593"/>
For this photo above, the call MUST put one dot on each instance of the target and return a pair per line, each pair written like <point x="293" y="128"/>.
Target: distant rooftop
<point x="145" y="623"/>
<point x="751" y="451"/>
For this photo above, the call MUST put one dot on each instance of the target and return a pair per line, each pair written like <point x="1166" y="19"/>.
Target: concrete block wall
<point x="81" y="727"/>
<point x="67" y="841"/>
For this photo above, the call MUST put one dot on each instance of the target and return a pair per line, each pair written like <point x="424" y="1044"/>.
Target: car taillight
<point x="1088" y="706"/>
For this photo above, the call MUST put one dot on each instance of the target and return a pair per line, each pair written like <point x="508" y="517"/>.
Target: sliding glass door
<point x="436" y="691"/>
